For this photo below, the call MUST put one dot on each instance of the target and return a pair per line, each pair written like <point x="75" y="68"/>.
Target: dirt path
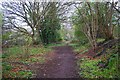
<point x="62" y="64"/>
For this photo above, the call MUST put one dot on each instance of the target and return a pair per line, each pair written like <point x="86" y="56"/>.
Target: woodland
<point x="60" y="39"/>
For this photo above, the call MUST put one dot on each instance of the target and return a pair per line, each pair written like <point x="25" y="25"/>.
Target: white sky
<point x="54" y="1"/>
<point x="58" y="0"/>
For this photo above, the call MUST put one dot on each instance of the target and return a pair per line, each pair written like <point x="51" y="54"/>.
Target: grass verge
<point x="89" y="68"/>
<point x="15" y="63"/>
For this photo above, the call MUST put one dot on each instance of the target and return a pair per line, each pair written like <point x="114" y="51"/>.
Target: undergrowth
<point x="17" y="54"/>
<point x="89" y="68"/>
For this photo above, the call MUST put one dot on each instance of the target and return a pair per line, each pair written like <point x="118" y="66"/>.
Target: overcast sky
<point x="59" y="0"/>
<point x="69" y="14"/>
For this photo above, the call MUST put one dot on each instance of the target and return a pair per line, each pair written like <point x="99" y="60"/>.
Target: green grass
<point x="89" y="69"/>
<point x="12" y="51"/>
<point x="17" y="54"/>
<point x="83" y="47"/>
<point x="8" y="71"/>
<point x="6" y="66"/>
<point x="74" y="44"/>
<point x="80" y="48"/>
<point x="100" y="40"/>
<point x="18" y="51"/>
<point x="55" y="44"/>
<point x="39" y="50"/>
<point x="24" y="74"/>
<point x="34" y="59"/>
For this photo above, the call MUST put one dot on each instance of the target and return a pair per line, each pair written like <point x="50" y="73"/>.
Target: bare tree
<point x="90" y="21"/>
<point x="32" y="15"/>
<point x="97" y="16"/>
<point x="28" y="13"/>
